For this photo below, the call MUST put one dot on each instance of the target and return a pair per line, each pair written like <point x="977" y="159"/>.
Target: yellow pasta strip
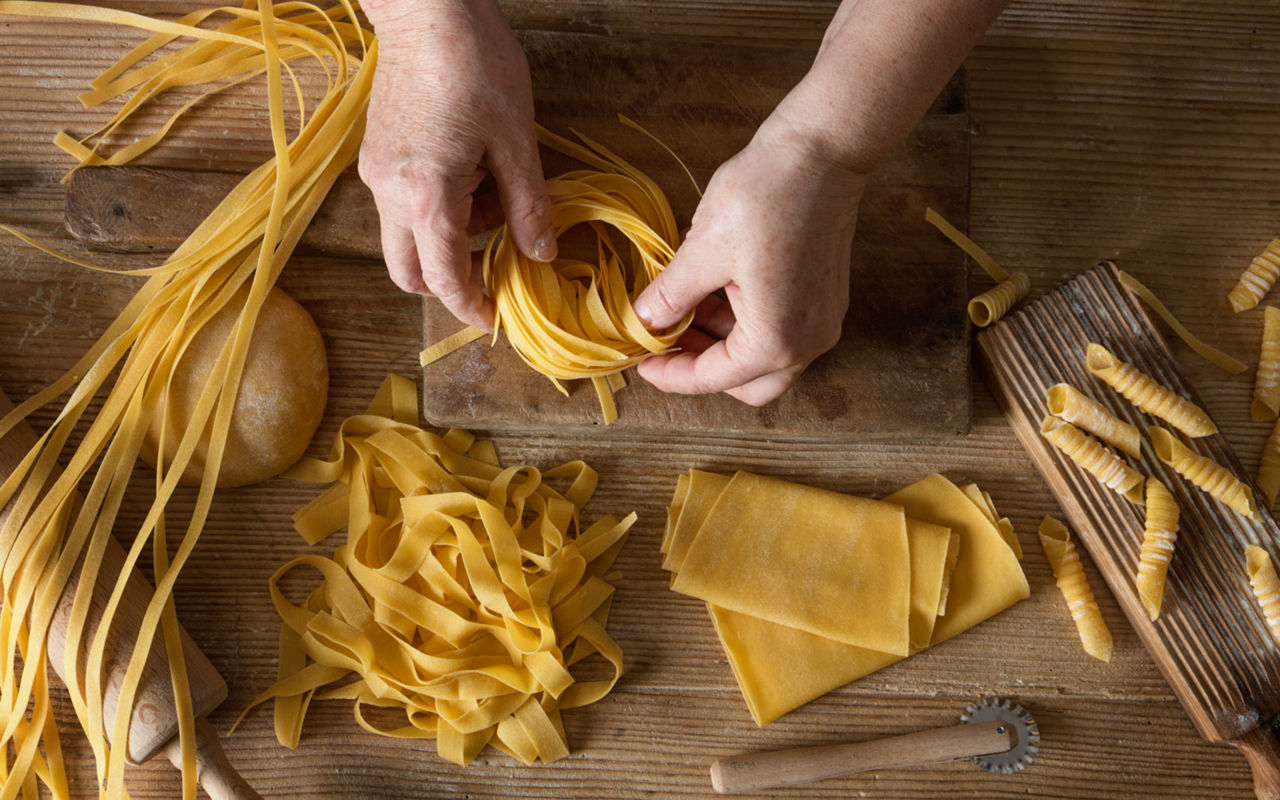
<point x="456" y="606"/>
<point x="1159" y="537"/>
<point x="448" y="345"/>
<point x="1210" y="476"/>
<point x="1207" y="352"/>
<point x="1067" y="570"/>
<point x="1265" y="585"/>
<point x="1148" y="394"/>
<point x="1258" y="278"/>
<point x="991" y="305"/>
<point x="1093" y="457"/>
<point x="1266" y="385"/>
<point x="997" y="272"/>
<point x="1065" y="401"/>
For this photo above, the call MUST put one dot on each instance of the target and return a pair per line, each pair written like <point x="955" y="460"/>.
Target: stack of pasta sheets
<point x="810" y="589"/>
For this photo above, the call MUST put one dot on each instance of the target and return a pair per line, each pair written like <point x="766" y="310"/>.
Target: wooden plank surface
<point x="1141" y="131"/>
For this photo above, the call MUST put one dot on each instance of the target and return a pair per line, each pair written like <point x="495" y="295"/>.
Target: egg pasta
<point x="1210" y="476"/>
<point x="1069" y="573"/>
<point x="1149" y="395"/>
<point x="1159" y="537"/>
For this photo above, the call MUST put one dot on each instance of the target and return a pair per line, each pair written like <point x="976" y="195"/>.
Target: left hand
<point x="774" y="231"/>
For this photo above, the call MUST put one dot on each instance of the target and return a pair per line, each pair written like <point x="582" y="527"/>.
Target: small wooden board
<point x="901" y="368"/>
<point x="1211" y="641"/>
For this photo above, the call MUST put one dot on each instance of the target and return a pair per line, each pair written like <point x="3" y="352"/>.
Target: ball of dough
<point x="280" y="403"/>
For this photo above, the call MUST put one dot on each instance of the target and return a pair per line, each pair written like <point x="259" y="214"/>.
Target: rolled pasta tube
<point x="1257" y="280"/>
<point x="1148" y="394"/>
<point x="1093" y="457"/>
<point x="1159" y="537"/>
<point x="1269" y="469"/>
<point x="991" y="305"/>
<point x="1265" y="584"/>
<point x="1067" y="570"/>
<point x="1266" y="384"/>
<point x="1065" y="401"/>
<point x="1213" y="478"/>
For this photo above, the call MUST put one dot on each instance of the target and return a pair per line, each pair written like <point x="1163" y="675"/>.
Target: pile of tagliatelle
<point x="460" y="596"/>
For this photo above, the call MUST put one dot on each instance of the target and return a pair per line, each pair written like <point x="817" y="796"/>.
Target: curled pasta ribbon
<point x="1257" y="280"/>
<point x="1065" y="401"/>
<point x="1069" y="573"/>
<point x="461" y="596"/>
<point x="991" y="305"/>
<point x="573" y="318"/>
<point x="1159" y="537"/>
<point x="1211" y="354"/>
<point x="1266" y="384"/>
<point x="1269" y="468"/>
<point x="1093" y="457"/>
<point x="1265" y="585"/>
<point x="1149" y="395"/>
<point x="1210" y="476"/>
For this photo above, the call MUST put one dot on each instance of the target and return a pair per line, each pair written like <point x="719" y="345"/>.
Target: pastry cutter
<point x="995" y="733"/>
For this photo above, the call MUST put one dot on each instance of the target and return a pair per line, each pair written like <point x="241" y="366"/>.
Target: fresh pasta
<point x="1266" y="385"/>
<point x="1269" y="468"/>
<point x="991" y="305"/>
<point x="1065" y="401"/>
<point x="1159" y="537"/>
<point x="1210" y="476"/>
<point x="1148" y="394"/>
<point x="1069" y="573"/>
<point x="1265" y="585"/>
<point x="1093" y="457"/>
<point x="1257" y="280"/>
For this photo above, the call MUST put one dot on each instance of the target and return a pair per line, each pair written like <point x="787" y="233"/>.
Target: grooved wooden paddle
<point x="1211" y="641"/>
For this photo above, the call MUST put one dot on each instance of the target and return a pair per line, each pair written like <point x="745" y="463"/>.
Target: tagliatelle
<point x="244" y="242"/>
<point x="460" y="596"/>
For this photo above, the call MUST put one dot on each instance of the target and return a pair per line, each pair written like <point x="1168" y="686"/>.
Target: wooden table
<point x="1139" y="131"/>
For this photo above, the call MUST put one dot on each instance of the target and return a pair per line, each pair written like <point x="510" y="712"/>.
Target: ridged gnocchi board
<point x="1211" y="641"/>
<point x="901" y="369"/>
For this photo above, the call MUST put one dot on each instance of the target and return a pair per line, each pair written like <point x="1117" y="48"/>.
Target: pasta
<point x="1159" y="537"/>
<point x="1269" y="468"/>
<point x="1065" y="561"/>
<point x="1093" y="457"/>
<point x="1147" y="394"/>
<point x="991" y="305"/>
<point x="1265" y="585"/>
<point x="1211" y="354"/>
<point x="1258" y="278"/>
<point x="1266" y="386"/>
<point x="461" y="596"/>
<point x="1213" y="478"/>
<point x="1084" y="412"/>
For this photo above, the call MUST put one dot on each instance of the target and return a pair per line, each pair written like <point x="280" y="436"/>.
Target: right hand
<point x="451" y="102"/>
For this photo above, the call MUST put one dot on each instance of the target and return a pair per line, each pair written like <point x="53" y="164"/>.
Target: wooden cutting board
<point x="901" y="369"/>
<point x="1211" y="641"/>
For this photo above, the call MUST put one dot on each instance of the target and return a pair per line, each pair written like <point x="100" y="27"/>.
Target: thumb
<point x="677" y="290"/>
<point x="523" y="193"/>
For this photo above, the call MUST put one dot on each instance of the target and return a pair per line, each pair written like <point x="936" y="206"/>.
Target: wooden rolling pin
<point x="154" y="725"/>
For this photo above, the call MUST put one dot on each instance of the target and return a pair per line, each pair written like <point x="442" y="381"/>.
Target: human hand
<point x="451" y="101"/>
<point x="774" y="231"/>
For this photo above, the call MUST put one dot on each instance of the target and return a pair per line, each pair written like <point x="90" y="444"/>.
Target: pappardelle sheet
<point x="889" y="577"/>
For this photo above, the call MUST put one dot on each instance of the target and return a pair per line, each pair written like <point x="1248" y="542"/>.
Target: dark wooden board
<point x="901" y="367"/>
<point x="1211" y="641"/>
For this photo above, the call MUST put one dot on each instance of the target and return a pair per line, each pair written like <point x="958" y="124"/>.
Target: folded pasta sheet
<point x="780" y="667"/>
<point x="795" y="555"/>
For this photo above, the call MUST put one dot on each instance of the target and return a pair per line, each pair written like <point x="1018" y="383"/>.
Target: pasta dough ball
<point x="280" y="403"/>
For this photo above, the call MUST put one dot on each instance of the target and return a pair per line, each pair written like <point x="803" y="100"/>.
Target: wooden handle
<point x="155" y="719"/>
<point x="754" y="771"/>
<point x="1261" y="749"/>
<point x="216" y="775"/>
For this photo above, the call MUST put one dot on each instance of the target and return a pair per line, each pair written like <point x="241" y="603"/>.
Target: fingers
<point x="401" y="256"/>
<point x="523" y="192"/>
<point x="678" y="289"/>
<point x="449" y="275"/>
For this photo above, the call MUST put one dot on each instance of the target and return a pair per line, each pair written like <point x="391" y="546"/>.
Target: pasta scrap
<point x="1065" y="401"/>
<point x="460" y="597"/>
<point x="1265" y="585"/>
<point x="1149" y="395"/>
<point x="991" y="305"/>
<point x="1069" y="573"/>
<point x="1269" y="467"/>
<point x="1093" y="457"/>
<point x="1210" y="476"/>
<point x="1159" y="537"/>
<point x="1266" y="385"/>
<point x="1211" y="354"/>
<point x="1258" y="278"/>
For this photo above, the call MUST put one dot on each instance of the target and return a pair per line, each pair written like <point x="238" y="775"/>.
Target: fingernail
<point x="545" y="248"/>
<point x="643" y="311"/>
